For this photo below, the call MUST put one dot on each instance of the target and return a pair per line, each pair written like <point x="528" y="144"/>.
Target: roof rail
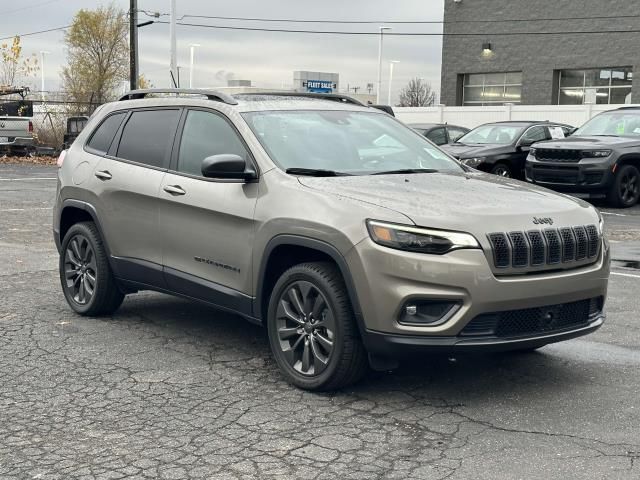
<point x="635" y="107"/>
<point x="336" y="97"/>
<point x="210" y="94"/>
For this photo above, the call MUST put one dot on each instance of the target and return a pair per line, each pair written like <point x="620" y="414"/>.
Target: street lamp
<point x="391" y="63"/>
<point x="382" y="29"/>
<point x="192" y="47"/>
<point x="42" y="54"/>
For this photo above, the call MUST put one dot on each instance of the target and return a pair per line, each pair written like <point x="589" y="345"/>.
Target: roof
<point x="526" y="122"/>
<point x="245" y="102"/>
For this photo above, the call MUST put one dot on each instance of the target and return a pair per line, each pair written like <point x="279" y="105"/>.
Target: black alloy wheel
<point x="87" y="281"/>
<point x="312" y="329"/>
<point x="306" y="327"/>
<point x="629" y="186"/>
<point x="80" y="269"/>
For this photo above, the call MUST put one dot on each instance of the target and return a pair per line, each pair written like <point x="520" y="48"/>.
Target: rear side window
<point x="147" y="137"/>
<point x="438" y="136"/>
<point x="103" y="135"/>
<point x="455" y="133"/>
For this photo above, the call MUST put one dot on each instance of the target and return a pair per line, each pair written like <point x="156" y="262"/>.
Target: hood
<point x="478" y="203"/>
<point x="588" y="142"/>
<point x="461" y="150"/>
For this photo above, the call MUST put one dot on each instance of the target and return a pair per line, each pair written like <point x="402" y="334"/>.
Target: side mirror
<point x="525" y="144"/>
<point x="228" y="166"/>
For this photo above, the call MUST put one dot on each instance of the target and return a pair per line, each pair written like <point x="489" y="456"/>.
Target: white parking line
<point x="26" y="179"/>
<point x="625" y="274"/>
<point x="24" y="209"/>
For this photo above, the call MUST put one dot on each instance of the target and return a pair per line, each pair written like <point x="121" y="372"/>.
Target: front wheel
<point x="625" y="190"/>
<point x="312" y="330"/>
<point x="502" y="170"/>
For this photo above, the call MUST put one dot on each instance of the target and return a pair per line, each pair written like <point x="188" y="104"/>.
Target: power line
<point x="415" y="22"/>
<point x="406" y="34"/>
<point x="35" y="33"/>
<point x="28" y="7"/>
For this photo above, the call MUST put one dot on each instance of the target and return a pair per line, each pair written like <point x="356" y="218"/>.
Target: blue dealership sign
<point x="319" y="86"/>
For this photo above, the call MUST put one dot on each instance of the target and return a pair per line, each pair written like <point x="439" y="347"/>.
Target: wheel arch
<point x="75" y="211"/>
<point x="630" y="159"/>
<point x="284" y="251"/>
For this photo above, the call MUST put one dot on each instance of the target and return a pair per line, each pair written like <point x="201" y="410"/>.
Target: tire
<point x="309" y="309"/>
<point x="502" y="170"/>
<point x="84" y="257"/>
<point x="625" y="191"/>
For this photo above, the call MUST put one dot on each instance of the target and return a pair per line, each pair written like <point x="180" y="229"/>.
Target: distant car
<point x="74" y="127"/>
<point x="501" y="148"/>
<point x="601" y="158"/>
<point x="16" y="128"/>
<point x="439" y="133"/>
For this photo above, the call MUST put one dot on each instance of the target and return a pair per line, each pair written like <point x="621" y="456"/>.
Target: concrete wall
<point x="537" y="56"/>
<point x="471" y="117"/>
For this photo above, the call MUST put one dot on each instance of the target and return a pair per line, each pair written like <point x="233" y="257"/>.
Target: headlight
<point x="472" y="162"/>
<point x="532" y="152"/>
<point x="595" y="153"/>
<point x="600" y="221"/>
<point x="416" y="239"/>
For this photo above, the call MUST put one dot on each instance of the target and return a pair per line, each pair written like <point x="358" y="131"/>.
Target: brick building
<point x="503" y="63"/>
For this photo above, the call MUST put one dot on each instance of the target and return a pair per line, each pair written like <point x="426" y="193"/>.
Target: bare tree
<point x="97" y="55"/>
<point x="417" y="93"/>
<point x="13" y="66"/>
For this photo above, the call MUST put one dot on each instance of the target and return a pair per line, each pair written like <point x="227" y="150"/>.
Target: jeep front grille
<point x="551" y="246"/>
<point x="553" y="155"/>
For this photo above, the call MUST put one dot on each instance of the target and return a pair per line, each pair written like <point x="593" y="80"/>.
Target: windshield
<point x="492" y="134"/>
<point x="625" y="123"/>
<point x="358" y="143"/>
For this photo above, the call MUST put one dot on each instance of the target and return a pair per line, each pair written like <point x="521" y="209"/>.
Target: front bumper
<point x="386" y="280"/>
<point x="395" y="346"/>
<point x="587" y="176"/>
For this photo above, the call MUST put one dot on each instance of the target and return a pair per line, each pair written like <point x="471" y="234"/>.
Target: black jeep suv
<point x="602" y="158"/>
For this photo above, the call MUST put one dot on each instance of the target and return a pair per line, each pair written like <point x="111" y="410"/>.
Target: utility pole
<point x="42" y="54"/>
<point x="133" y="44"/>
<point x="173" y="65"/>
<point x="382" y="29"/>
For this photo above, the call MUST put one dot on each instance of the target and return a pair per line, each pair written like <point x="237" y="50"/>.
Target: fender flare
<point x="314" y="244"/>
<point x="87" y="207"/>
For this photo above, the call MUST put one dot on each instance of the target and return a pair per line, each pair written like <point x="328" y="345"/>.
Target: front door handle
<point x="103" y="175"/>
<point x="174" y="190"/>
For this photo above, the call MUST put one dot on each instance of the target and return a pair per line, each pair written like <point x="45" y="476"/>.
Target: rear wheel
<point x="312" y="330"/>
<point x="87" y="281"/>
<point x="502" y="170"/>
<point x="625" y="190"/>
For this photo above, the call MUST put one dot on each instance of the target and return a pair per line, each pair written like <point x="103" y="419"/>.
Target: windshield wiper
<point x="314" y="172"/>
<point x="406" y="170"/>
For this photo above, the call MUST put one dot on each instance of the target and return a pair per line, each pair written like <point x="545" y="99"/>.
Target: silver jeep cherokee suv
<point x="350" y="236"/>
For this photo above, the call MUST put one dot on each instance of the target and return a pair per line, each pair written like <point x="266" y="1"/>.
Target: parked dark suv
<point x="501" y="148"/>
<point x="601" y="158"/>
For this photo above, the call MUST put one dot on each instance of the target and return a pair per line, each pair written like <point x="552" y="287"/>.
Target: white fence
<point x="471" y="117"/>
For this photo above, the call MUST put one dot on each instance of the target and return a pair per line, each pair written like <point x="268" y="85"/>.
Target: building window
<point x="598" y="85"/>
<point x="492" y="88"/>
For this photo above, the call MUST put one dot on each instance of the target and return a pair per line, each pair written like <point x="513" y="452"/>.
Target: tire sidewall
<point x="76" y="230"/>
<point x="616" y="193"/>
<point x="293" y="275"/>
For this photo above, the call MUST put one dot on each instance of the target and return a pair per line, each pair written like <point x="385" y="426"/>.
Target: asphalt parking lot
<point x="170" y="389"/>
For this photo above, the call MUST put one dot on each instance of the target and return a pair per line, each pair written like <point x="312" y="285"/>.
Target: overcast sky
<point x="266" y="58"/>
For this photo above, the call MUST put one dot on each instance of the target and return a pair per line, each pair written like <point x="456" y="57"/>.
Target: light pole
<point x="173" y="62"/>
<point x="382" y="29"/>
<point x="391" y="63"/>
<point x="192" y="47"/>
<point x="42" y="54"/>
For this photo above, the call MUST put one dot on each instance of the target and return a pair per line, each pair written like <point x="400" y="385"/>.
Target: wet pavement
<point x="171" y="389"/>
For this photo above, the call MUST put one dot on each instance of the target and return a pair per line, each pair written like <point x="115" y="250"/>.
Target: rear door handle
<point x="103" y="175"/>
<point x="174" y="190"/>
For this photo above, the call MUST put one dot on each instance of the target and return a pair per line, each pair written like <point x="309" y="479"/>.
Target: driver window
<point x="206" y="134"/>
<point x="534" y="134"/>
